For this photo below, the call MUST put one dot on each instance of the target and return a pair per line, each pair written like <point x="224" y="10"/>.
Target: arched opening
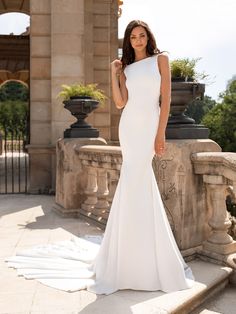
<point x="14" y="135"/>
<point x="14" y="95"/>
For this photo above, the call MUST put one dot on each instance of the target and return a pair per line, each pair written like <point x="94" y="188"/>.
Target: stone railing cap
<point x="99" y="149"/>
<point x="226" y="159"/>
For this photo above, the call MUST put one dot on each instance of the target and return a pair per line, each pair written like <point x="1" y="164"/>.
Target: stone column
<point x="67" y="31"/>
<point x="115" y="113"/>
<point x="101" y="47"/>
<point x="40" y="149"/>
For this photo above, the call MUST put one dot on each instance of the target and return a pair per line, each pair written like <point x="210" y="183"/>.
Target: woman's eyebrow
<point x="138" y="34"/>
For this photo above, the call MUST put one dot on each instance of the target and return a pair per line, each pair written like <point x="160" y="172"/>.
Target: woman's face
<point x="138" y="38"/>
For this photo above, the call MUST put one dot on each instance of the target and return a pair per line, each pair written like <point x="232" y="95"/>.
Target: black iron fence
<point x="14" y="160"/>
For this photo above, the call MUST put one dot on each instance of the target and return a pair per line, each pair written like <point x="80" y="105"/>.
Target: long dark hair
<point x="128" y="56"/>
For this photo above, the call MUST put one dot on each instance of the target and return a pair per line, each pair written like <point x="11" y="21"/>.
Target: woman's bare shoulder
<point x="163" y="56"/>
<point x="163" y="62"/>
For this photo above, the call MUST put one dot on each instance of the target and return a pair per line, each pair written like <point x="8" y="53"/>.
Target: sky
<point x="185" y="28"/>
<point x="203" y="29"/>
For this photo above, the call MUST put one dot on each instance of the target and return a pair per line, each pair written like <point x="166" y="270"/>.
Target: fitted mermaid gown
<point x="138" y="250"/>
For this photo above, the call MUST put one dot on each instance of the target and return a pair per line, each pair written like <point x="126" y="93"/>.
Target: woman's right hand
<point x="116" y="67"/>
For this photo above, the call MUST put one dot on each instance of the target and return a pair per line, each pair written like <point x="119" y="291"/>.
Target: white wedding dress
<point x="138" y="250"/>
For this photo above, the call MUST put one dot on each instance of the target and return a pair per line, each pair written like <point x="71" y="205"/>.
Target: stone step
<point x="223" y="302"/>
<point x="210" y="279"/>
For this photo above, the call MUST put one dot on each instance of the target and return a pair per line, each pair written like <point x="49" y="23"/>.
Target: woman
<point x="138" y="250"/>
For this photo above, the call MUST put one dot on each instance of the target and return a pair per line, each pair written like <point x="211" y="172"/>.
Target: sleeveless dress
<point x="138" y="250"/>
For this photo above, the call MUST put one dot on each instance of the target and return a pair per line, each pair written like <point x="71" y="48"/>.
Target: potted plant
<point x="185" y="88"/>
<point x="184" y="70"/>
<point x="80" y="100"/>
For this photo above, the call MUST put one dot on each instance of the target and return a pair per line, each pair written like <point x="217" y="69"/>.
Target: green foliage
<point x="221" y="120"/>
<point x="198" y="108"/>
<point x="13" y="116"/>
<point x="82" y="90"/>
<point x="185" y="69"/>
<point x="13" y="90"/>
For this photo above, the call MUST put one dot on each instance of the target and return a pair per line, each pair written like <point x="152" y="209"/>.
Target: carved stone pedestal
<point x="183" y="193"/>
<point x="71" y="181"/>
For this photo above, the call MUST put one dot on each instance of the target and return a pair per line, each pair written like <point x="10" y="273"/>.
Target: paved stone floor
<point x="27" y="220"/>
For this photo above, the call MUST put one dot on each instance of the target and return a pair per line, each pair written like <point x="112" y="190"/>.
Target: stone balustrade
<point x="102" y="165"/>
<point x="218" y="170"/>
<point x="88" y="171"/>
<point x="194" y="178"/>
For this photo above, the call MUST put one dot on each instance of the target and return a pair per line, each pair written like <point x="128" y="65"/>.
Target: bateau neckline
<point x="142" y="59"/>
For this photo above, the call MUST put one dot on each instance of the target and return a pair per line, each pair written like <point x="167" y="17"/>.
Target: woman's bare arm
<point x="119" y="90"/>
<point x="165" y="90"/>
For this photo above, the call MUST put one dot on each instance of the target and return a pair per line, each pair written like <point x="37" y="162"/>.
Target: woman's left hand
<point x="160" y="145"/>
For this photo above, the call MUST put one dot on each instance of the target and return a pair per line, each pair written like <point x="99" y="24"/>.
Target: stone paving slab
<point x="27" y="220"/>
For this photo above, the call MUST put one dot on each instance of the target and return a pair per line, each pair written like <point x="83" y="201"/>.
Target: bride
<point x="138" y="250"/>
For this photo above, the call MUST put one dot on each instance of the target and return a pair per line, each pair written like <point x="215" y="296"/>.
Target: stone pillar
<point x="101" y="47"/>
<point x="40" y="149"/>
<point x="67" y="31"/>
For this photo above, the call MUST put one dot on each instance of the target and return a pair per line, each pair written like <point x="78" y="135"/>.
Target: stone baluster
<point x="113" y="180"/>
<point x="91" y="190"/>
<point x="219" y="241"/>
<point x="102" y="205"/>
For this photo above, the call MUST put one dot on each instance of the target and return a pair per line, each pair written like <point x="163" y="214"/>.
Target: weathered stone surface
<point x="40" y="24"/>
<point x="219" y="177"/>
<point x="40" y="111"/>
<point x="40" y="168"/>
<point x="41" y="68"/>
<point x="67" y="6"/>
<point x="41" y="132"/>
<point x="71" y="178"/>
<point x="40" y="46"/>
<point x="40" y="90"/>
<point x="183" y="193"/>
<point x="67" y="23"/>
<point x="71" y="44"/>
<point x="40" y="7"/>
<point x="64" y="67"/>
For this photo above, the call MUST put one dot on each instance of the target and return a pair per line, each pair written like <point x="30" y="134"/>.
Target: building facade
<point x="70" y="41"/>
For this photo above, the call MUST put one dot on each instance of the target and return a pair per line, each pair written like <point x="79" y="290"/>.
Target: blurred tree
<point x="14" y="90"/>
<point x="198" y="108"/>
<point x="221" y="119"/>
<point x="14" y="109"/>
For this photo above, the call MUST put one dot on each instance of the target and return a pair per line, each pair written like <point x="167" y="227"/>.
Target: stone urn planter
<point x="80" y="107"/>
<point x="184" y="89"/>
<point x="81" y="100"/>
